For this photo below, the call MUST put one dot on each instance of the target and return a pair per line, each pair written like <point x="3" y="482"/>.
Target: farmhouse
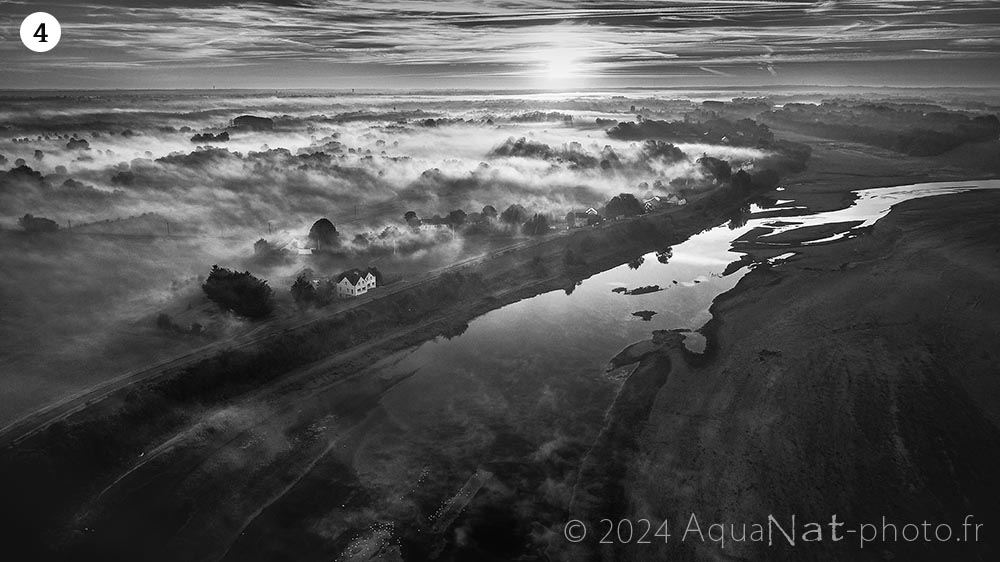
<point x="652" y="203"/>
<point x="576" y="219"/>
<point x="354" y="282"/>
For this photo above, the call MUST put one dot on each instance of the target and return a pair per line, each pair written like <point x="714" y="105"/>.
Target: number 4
<point x="40" y="33"/>
<point x="663" y="531"/>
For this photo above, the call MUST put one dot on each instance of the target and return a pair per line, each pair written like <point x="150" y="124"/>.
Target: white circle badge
<point x="40" y="32"/>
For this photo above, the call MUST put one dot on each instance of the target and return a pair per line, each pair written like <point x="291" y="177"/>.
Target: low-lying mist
<point x="146" y="191"/>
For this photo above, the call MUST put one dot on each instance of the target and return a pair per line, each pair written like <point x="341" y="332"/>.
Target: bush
<point x="242" y="293"/>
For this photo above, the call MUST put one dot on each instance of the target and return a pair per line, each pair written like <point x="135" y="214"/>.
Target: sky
<point x="513" y="44"/>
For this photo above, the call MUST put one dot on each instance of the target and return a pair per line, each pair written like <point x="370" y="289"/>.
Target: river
<point x="497" y="419"/>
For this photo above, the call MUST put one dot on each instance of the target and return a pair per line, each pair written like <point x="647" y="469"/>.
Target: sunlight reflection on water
<point x="594" y="323"/>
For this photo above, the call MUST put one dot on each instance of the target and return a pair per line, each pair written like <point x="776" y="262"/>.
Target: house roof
<point x="354" y="275"/>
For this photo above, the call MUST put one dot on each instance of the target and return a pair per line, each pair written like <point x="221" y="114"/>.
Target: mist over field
<point x="323" y="155"/>
<point x="150" y="189"/>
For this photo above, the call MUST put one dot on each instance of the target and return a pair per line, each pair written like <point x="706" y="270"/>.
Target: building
<point x="576" y="219"/>
<point x="675" y="200"/>
<point x="354" y="282"/>
<point x="651" y="203"/>
<point x="295" y="246"/>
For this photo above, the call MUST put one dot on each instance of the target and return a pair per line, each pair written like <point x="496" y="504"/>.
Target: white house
<point x="294" y="246"/>
<point x="354" y="282"/>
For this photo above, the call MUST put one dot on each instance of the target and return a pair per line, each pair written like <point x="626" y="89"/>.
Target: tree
<point x="490" y="212"/>
<point x="457" y="218"/>
<point x="739" y="217"/>
<point x="624" y="204"/>
<point x="536" y="225"/>
<point x="662" y="150"/>
<point x="515" y="214"/>
<point x="303" y="291"/>
<point x="34" y="224"/>
<point x="78" y="144"/>
<point x="718" y="169"/>
<point x="123" y="178"/>
<point x="411" y="218"/>
<point x="240" y="292"/>
<point x="324" y="235"/>
<point x="741" y="180"/>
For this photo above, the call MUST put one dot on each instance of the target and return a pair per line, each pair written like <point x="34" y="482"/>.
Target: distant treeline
<point x="787" y="156"/>
<point x="745" y="132"/>
<point x="912" y="130"/>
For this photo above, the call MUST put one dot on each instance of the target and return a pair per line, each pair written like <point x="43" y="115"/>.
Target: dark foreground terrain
<point x="858" y="379"/>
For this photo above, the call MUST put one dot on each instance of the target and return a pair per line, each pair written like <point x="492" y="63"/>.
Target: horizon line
<point x="512" y="90"/>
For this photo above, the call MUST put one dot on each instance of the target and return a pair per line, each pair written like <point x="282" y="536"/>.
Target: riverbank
<point x="856" y="379"/>
<point x="73" y="472"/>
<point x="836" y="168"/>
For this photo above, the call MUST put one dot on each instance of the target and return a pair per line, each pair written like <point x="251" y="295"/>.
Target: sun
<point x="561" y="65"/>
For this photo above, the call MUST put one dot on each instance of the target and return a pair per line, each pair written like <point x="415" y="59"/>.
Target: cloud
<point x="399" y="42"/>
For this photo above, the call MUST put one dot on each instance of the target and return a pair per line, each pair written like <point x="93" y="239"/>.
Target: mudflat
<point x="858" y="379"/>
